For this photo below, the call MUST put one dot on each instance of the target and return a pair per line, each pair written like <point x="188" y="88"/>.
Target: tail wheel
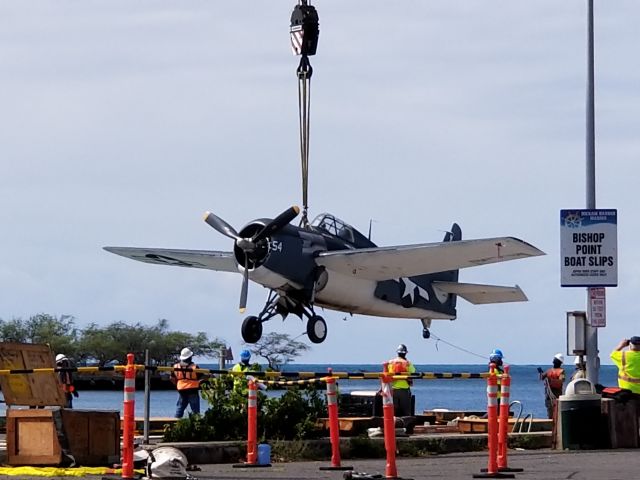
<point x="317" y="329"/>
<point x="251" y="329"/>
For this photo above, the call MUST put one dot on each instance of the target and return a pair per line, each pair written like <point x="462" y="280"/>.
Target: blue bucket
<point x="264" y="454"/>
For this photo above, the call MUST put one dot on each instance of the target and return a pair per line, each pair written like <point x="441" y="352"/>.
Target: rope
<point x="438" y="339"/>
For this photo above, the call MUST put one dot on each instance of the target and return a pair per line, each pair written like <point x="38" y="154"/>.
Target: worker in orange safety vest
<point x="554" y="378"/>
<point x="66" y="380"/>
<point x="401" y="388"/>
<point x="187" y="382"/>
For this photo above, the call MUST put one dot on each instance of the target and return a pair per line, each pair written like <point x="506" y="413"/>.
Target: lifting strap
<point x="304" y="110"/>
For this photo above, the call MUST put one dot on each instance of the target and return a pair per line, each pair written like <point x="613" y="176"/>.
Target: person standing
<point x="628" y="363"/>
<point x="554" y="381"/>
<point x="496" y="358"/>
<point x="401" y="388"/>
<point x="187" y="382"/>
<point x="66" y="380"/>
<point x="240" y="381"/>
<point x="580" y="371"/>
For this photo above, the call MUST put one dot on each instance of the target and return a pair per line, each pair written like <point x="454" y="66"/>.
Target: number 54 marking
<point x="275" y="246"/>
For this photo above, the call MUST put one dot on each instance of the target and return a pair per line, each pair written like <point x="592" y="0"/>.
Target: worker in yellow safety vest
<point x="240" y="381"/>
<point x="187" y="382"/>
<point x="401" y="388"/>
<point x="496" y="358"/>
<point x="628" y="363"/>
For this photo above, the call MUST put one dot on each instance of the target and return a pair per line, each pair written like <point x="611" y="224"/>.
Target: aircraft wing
<point x="386" y="263"/>
<point x="479" y="294"/>
<point x="207" y="259"/>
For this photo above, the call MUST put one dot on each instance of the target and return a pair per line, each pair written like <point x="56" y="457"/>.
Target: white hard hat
<point x="577" y="361"/>
<point x="559" y="356"/>
<point x="185" y="354"/>
<point x="60" y="357"/>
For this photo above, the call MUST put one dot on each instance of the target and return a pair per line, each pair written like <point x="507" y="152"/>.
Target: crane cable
<point x="304" y="33"/>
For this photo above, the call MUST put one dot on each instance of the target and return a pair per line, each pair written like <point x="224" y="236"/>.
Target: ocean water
<point x="454" y="394"/>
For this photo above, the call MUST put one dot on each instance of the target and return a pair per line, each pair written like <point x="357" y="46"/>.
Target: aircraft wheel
<point x="426" y="333"/>
<point x="316" y="329"/>
<point x="251" y="329"/>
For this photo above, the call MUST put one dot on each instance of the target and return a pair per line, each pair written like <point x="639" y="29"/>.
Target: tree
<point x="113" y="342"/>
<point x="110" y="343"/>
<point x="61" y="334"/>
<point x="278" y="349"/>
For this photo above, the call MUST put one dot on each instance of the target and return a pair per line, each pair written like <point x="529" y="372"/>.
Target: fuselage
<point x="289" y="267"/>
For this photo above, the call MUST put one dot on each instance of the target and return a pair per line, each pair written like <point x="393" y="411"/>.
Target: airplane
<point x="330" y="264"/>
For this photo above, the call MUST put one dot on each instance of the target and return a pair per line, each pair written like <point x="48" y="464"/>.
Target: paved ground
<point x="539" y="465"/>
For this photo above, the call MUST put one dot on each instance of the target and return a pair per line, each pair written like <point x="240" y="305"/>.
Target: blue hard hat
<point x="245" y="355"/>
<point x="496" y="353"/>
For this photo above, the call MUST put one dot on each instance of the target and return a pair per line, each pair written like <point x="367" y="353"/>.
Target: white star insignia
<point x="410" y="289"/>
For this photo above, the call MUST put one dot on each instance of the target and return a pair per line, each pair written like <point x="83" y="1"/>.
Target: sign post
<point x="597" y="307"/>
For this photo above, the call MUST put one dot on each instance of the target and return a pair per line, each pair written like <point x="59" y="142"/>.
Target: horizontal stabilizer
<point x="479" y="294"/>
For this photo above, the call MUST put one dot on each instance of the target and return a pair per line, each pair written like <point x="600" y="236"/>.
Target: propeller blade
<point x="221" y="226"/>
<point x="277" y="223"/>
<point x="245" y="287"/>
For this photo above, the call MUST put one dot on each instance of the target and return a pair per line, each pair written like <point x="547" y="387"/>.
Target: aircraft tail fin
<point x="454" y="235"/>
<point x="450" y="276"/>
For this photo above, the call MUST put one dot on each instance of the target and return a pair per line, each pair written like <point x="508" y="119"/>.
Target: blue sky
<point x="121" y="123"/>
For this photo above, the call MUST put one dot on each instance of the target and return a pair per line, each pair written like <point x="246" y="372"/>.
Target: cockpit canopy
<point x="336" y="227"/>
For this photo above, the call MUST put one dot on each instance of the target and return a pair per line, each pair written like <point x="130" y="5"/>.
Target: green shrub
<point x="291" y="416"/>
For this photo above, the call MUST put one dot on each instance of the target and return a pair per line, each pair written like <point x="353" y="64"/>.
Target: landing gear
<point x="251" y="329"/>
<point x="316" y="329"/>
<point x="283" y="305"/>
<point x="426" y="325"/>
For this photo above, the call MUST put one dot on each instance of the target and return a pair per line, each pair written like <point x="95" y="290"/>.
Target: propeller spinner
<point x="248" y="245"/>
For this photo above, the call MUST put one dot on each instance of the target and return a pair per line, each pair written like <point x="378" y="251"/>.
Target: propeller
<point x="248" y="245"/>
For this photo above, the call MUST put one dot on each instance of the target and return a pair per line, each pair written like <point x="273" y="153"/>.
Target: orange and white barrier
<point x="503" y="430"/>
<point x="334" y="425"/>
<point x="389" y="425"/>
<point x="252" y="428"/>
<point x="492" y="427"/>
<point x="128" y="426"/>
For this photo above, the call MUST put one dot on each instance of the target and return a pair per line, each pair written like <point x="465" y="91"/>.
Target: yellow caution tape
<point x="60" y="472"/>
<point x="317" y="376"/>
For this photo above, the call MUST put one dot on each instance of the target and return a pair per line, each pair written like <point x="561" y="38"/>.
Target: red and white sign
<point x="597" y="315"/>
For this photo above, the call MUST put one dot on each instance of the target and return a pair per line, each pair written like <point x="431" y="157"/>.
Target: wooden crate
<point x="93" y="437"/>
<point x="32" y="438"/>
<point x="33" y="389"/>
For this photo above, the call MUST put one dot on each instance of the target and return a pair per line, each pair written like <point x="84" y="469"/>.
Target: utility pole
<point x="593" y="361"/>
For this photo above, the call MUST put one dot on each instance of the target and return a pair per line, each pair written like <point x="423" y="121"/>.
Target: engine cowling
<point x="256" y="256"/>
